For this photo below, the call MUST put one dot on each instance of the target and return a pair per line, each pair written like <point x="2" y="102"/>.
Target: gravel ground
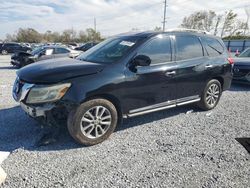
<point x="171" y="148"/>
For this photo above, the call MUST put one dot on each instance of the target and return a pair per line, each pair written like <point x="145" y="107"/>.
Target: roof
<point x="153" y="33"/>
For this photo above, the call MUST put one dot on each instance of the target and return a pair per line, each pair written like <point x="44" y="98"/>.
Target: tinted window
<point x="110" y="50"/>
<point x="61" y="51"/>
<point x="17" y="46"/>
<point x="213" y="46"/>
<point x="188" y="47"/>
<point x="158" y="50"/>
<point x="245" y="53"/>
<point x="9" y="45"/>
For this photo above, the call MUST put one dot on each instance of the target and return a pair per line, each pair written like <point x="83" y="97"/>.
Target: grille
<point x="17" y="88"/>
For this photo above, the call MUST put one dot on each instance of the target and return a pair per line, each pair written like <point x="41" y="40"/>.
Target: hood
<point x="242" y="61"/>
<point x="56" y="70"/>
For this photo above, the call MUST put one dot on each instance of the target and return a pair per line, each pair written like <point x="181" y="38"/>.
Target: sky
<point x="112" y="16"/>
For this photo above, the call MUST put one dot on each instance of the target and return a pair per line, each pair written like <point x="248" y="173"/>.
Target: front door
<point x="152" y="86"/>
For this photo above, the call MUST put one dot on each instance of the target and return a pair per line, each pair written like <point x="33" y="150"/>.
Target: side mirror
<point x="141" y="60"/>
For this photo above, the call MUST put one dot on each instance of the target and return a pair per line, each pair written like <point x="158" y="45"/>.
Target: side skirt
<point x="161" y="106"/>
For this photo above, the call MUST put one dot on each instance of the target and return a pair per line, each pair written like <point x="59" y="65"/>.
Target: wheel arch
<point x="111" y="98"/>
<point x="221" y="80"/>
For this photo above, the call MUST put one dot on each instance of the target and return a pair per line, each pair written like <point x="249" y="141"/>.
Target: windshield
<point x="245" y="53"/>
<point x="110" y="50"/>
<point x="37" y="50"/>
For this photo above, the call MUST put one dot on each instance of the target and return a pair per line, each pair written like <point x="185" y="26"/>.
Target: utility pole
<point x="164" y="16"/>
<point x="94" y="24"/>
<point x="94" y="29"/>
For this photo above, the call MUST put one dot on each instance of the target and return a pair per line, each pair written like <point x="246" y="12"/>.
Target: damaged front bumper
<point x="39" y="111"/>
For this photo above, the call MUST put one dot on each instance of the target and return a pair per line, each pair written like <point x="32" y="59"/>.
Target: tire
<point x="90" y="130"/>
<point x="4" y="52"/>
<point x="208" y="103"/>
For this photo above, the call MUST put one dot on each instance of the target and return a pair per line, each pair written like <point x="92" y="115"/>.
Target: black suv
<point x="12" y="47"/>
<point x="125" y="76"/>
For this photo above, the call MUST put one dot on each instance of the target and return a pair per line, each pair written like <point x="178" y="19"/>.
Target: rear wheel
<point x="93" y="121"/>
<point x="211" y="95"/>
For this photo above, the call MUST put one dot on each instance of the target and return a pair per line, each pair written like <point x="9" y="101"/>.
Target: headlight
<point x="42" y="94"/>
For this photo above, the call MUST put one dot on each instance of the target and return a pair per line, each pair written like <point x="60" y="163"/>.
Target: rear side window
<point x="213" y="46"/>
<point x="188" y="47"/>
<point x="158" y="50"/>
<point x="61" y="51"/>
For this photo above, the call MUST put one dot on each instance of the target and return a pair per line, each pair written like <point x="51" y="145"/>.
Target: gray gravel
<point x="171" y="148"/>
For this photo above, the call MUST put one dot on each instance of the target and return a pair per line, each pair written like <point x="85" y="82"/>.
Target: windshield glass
<point x="37" y="50"/>
<point x="110" y="50"/>
<point x="245" y="53"/>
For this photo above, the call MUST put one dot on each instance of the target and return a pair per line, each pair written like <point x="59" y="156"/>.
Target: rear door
<point x="191" y="74"/>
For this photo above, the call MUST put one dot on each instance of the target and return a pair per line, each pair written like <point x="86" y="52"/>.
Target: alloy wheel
<point x="213" y="94"/>
<point x="95" y="122"/>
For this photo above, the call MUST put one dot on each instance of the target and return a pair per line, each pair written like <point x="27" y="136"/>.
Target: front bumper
<point x="42" y="110"/>
<point x="38" y="111"/>
<point x="14" y="62"/>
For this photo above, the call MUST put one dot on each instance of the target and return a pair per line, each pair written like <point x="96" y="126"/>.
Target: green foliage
<point x="69" y="35"/>
<point x="236" y="37"/>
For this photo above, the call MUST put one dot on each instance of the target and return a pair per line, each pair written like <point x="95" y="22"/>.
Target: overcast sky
<point x="112" y="16"/>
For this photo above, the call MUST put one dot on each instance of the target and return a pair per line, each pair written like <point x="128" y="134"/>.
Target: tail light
<point x="230" y="61"/>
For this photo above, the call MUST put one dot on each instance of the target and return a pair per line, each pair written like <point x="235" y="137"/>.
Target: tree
<point x="92" y="35"/>
<point x="68" y="35"/>
<point x="238" y="28"/>
<point x="229" y="20"/>
<point x="157" y="28"/>
<point x="227" y="24"/>
<point x="10" y="38"/>
<point x="28" y="35"/>
<point x="201" y="20"/>
<point x="217" y="23"/>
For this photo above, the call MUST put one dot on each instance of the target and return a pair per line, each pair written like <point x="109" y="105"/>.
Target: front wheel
<point x="93" y="121"/>
<point x="211" y="95"/>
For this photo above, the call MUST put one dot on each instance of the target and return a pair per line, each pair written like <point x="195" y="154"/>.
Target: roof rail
<point x="188" y="30"/>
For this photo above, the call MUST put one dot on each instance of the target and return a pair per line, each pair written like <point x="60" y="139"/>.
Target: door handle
<point x="170" y="73"/>
<point x="208" y="66"/>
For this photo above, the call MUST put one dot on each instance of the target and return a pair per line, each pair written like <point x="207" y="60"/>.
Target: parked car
<point x="12" y="47"/>
<point x="72" y="45"/>
<point x="20" y="59"/>
<point x="242" y="68"/>
<point x="86" y="46"/>
<point x="125" y="76"/>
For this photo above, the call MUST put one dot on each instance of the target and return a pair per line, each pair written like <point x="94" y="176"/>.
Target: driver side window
<point x="158" y="50"/>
